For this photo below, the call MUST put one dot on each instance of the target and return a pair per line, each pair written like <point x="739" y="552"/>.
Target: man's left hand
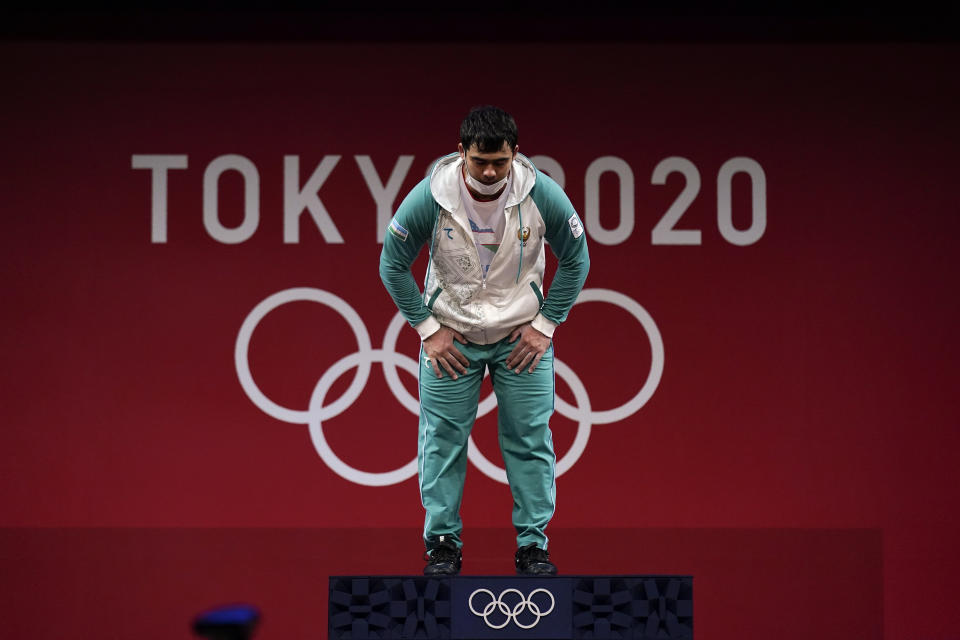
<point x="528" y="350"/>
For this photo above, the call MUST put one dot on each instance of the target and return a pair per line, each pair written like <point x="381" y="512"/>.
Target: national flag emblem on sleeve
<point x="398" y="231"/>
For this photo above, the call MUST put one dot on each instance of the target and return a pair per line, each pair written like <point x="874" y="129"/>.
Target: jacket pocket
<point x="436" y="294"/>
<point x="536" y="290"/>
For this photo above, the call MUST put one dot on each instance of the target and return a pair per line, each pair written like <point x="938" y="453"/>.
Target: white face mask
<point x="484" y="189"/>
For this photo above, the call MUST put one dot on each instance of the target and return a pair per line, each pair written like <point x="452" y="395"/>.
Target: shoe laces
<point x="442" y="553"/>
<point x="533" y="553"/>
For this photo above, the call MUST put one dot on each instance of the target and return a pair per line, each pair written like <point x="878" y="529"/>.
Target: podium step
<point x="510" y="607"/>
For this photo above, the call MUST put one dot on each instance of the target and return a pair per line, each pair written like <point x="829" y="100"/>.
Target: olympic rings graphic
<point x="497" y="603"/>
<point x="366" y="355"/>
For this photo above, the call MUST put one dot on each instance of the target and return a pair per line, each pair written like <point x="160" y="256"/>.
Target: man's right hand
<point x="440" y="351"/>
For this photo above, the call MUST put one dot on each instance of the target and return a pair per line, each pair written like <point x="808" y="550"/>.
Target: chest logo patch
<point x="523" y="234"/>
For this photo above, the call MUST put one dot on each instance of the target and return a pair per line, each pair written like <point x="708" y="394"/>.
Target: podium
<point x="633" y="607"/>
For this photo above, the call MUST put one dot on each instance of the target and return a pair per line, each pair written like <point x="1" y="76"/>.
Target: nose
<point x="489" y="172"/>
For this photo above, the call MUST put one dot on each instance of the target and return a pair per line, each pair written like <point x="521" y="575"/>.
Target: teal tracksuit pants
<point x="448" y="409"/>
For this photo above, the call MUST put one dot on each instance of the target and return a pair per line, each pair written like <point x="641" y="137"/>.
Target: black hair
<point x="488" y="127"/>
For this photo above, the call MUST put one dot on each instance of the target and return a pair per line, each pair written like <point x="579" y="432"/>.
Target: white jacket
<point x="485" y="309"/>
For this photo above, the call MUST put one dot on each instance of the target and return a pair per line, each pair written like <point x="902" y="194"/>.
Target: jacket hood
<point x="445" y="177"/>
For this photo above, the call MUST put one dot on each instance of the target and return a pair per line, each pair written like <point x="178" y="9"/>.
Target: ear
<point x="460" y="149"/>
<point x="516" y="150"/>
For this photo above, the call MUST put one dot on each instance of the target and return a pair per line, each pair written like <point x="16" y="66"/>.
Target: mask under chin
<point x="485" y="189"/>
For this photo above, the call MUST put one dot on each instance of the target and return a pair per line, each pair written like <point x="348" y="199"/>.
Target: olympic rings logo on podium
<point x="365" y="355"/>
<point x="497" y="603"/>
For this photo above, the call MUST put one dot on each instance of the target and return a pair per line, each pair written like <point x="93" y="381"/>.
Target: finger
<point x="459" y="337"/>
<point x="536" y="361"/>
<point x="449" y="369"/>
<point x="526" y="358"/>
<point x="514" y="335"/>
<point x="460" y="360"/>
<point x="514" y="356"/>
<point x="433" y="365"/>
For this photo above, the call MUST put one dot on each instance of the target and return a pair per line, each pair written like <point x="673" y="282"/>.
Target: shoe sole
<point x="536" y="573"/>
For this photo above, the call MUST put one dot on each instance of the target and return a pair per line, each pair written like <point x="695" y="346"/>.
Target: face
<point x="487" y="167"/>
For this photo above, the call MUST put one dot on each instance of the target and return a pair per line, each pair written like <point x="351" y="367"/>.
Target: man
<point x="485" y="212"/>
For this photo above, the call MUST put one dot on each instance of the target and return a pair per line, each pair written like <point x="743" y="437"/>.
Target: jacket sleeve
<point x="410" y="228"/>
<point x="568" y="241"/>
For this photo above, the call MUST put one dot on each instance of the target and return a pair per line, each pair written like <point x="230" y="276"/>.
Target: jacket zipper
<point x="483" y="274"/>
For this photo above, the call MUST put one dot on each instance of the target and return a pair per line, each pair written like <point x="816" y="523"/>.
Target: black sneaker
<point x="531" y="560"/>
<point x="444" y="559"/>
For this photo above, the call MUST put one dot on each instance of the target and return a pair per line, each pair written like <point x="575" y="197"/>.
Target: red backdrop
<point x="798" y="454"/>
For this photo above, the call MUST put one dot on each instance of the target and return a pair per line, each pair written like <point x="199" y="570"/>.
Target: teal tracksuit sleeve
<point x="568" y="240"/>
<point x="410" y="228"/>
